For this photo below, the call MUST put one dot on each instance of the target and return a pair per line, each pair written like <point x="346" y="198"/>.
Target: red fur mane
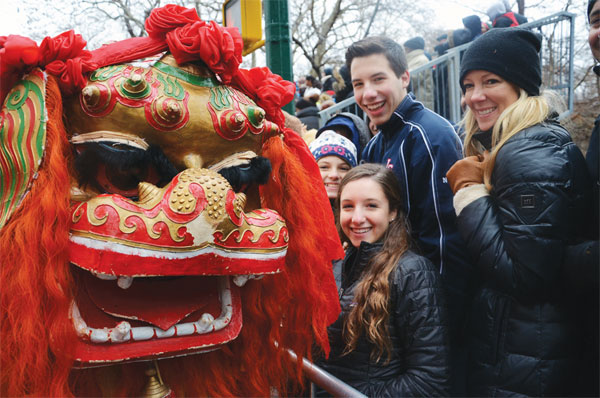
<point x="34" y="275"/>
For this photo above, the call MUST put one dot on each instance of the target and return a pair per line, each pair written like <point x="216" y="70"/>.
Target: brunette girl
<point x="391" y="336"/>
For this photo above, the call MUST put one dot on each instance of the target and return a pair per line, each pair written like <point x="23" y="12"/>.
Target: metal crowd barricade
<point x="325" y="380"/>
<point x="347" y="105"/>
<point x="436" y="83"/>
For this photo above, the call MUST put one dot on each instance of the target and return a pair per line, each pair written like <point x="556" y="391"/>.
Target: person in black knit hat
<point x="509" y="53"/>
<point x="522" y="196"/>
<point x="415" y="43"/>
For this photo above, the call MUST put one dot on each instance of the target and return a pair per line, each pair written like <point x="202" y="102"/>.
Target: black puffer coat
<point x="417" y="325"/>
<point x="523" y="335"/>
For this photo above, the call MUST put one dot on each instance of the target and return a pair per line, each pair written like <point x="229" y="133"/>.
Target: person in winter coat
<point x="521" y="197"/>
<point x="420" y="147"/>
<point x="415" y="52"/>
<point x="343" y="84"/>
<point x="350" y="126"/>
<point x="473" y="24"/>
<point x="308" y="113"/>
<point x="592" y="155"/>
<point x="328" y="79"/>
<point x="502" y="16"/>
<point x="441" y="99"/>
<point x="421" y="83"/>
<point x="582" y="260"/>
<point x="391" y="337"/>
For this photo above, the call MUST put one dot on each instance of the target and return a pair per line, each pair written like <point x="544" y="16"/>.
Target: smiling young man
<point x="420" y="146"/>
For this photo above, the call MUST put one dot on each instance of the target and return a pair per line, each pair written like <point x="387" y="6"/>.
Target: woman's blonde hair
<point x="525" y="112"/>
<point x="372" y="294"/>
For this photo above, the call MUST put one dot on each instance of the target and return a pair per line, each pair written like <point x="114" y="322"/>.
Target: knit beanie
<point x="511" y="53"/>
<point x="331" y="143"/>
<point x="416" y="43"/>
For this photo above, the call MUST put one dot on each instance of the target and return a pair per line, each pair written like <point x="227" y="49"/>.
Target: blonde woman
<point x="391" y="337"/>
<point x="520" y="197"/>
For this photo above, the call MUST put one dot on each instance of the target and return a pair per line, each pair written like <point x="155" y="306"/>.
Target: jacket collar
<point x="357" y="259"/>
<point x="402" y="112"/>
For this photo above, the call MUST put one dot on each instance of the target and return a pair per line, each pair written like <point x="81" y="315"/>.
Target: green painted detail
<point x="14" y="101"/>
<point x="26" y="168"/>
<point x="41" y="133"/>
<point x="21" y="165"/>
<point x="20" y="148"/>
<point x="220" y="97"/>
<point x="132" y="94"/>
<point x="11" y="166"/>
<point x="186" y="76"/>
<point x="171" y="87"/>
<point x="106" y="72"/>
<point x="253" y="113"/>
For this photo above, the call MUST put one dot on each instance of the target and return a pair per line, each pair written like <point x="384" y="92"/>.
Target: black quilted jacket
<point x="418" y="327"/>
<point x="523" y="334"/>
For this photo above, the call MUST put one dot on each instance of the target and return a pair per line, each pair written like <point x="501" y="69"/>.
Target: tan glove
<point x="466" y="172"/>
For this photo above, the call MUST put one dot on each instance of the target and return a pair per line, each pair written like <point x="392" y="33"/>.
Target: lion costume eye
<point x="117" y="168"/>
<point x="116" y="180"/>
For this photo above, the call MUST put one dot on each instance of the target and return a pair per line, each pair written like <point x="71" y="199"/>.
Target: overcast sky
<point x="449" y="14"/>
<point x="11" y="22"/>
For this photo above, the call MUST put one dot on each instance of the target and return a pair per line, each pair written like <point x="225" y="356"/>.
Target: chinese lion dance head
<point x="156" y="212"/>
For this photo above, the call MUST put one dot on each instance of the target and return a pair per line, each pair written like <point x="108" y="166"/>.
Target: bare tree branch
<point x="372" y="18"/>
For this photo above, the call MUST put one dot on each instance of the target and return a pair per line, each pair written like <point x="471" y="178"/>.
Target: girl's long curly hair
<point x="372" y="295"/>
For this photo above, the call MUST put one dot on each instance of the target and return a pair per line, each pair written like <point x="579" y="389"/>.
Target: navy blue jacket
<point x="420" y="146"/>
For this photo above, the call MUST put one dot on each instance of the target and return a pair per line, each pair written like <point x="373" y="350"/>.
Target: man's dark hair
<point x="379" y="45"/>
<point x="590" y="6"/>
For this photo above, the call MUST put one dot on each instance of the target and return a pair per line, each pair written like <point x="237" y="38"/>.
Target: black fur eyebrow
<point x="257" y="171"/>
<point x="122" y="157"/>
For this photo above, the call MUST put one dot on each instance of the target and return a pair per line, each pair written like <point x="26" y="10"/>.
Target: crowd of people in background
<point x="472" y="262"/>
<point x="314" y="94"/>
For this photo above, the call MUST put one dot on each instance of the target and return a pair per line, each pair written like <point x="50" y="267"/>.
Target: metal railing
<point x="325" y="380"/>
<point x="436" y="83"/>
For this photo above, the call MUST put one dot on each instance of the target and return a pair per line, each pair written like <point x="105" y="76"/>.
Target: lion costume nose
<point x="196" y="221"/>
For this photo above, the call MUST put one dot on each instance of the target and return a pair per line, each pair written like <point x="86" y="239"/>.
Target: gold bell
<point x="155" y="387"/>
